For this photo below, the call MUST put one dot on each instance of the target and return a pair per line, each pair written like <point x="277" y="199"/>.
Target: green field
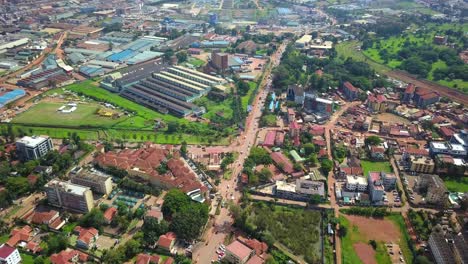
<point x="348" y="254"/>
<point x="85" y="116"/>
<point x="196" y="62"/>
<point x="398" y="220"/>
<point x="375" y="166"/>
<point x="454" y="184"/>
<point x="349" y="49"/>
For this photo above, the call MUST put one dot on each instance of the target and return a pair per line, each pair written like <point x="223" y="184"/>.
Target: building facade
<point x="97" y="182"/>
<point x="31" y="148"/>
<point x="9" y="255"/>
<point x="69" y="196"/>
<point x="422" y="164"/>
<point x="356" y="183"/>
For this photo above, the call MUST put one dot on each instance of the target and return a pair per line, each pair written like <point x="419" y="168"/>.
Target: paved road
<point x="222" y="224"/>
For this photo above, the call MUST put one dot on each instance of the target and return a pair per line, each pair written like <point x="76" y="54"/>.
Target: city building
<point x="220" y="60"/>
<point x="303" y="42"/>
<point x="301" y="190"/>
<point x="238" y="253"/>
<point x="295" y="93"/>
<point x="434" y="187"/>
<point x="409" y="93"/>
<point x="447" y="164"/>
<point x="440" y="248"/>
<point x="442" y="147"/>
<point x="376" y="187"/>
<point x="98" y="182"/>
<point x="423" y="97"/>
<point x="377" y="103"/>
<point x="9" y="255"/>
<point x="69" y="196"/>
<point x="31" y="148"/>
<point x="422" y="164"/>
<point x="356" y="183"/>
<point x="350" y="91"/>
<point x="10" y="96"/>
<point x="41" y="79"/>
<point x="460" y="138"/>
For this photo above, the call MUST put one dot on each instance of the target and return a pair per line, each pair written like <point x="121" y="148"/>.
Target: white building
<point x="356" y="183"/>
<point x="9" y="255"/>
<point x="31" y="148"/>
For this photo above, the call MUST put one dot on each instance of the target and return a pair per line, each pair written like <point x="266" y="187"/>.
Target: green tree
<point x="373" y="140"/>
<point x="183" y="148"/>
<point x="182" y="56"/>
<point x="326" y="165"/>
<point x="95" y="218"/>
<point x="187" y="224"/>
<point x="17" y="186"/>
<point x="309" y="148"/>
<point x="152" y="229"/>
<point x="315" y="199"/>
<point x="265" y="175"/>
<point x="56" y="243"/>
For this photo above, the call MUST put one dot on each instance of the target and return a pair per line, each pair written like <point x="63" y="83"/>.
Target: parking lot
<point x="220" y="252"/>
<point x="394" y="252"/>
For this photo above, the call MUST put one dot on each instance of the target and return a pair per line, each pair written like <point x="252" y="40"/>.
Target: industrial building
<point x="10" y="96"/>
<point x="31" y="148"/>
<point x="42" y="79"/>
<point x="69" y="196"/>
<point x="172" y="90"/>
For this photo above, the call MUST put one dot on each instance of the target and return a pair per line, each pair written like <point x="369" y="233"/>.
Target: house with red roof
<point x="446" y="132"/>
<point x="409" y="93"/>
<point x="260" y="248"/>
<point x="50" y="218"/>
<point x="69" y="256"/>
<point x="109" y="214"/>
<point x="255" y="259"/>
<point x="425" y="97"/>
<point x="33" y="247"/>
<point x="20" y="235"/>
<point x="282" y="162"/>
<point x="279" y="138"/>
<point x="147" y="259"/>
<point x="377" y="152"/>
<point x="269" y="140"/>
<point x="317" y="130"/>
<point x="9" y="255"/>
<point x="86" y="236"/>
<point x="166" y="242"/>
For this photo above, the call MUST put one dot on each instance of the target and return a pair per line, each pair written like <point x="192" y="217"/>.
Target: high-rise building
<point x="31" y="148"/>
<point x="69" y="196"/>
<point x="220" y="60"/>
<point x="99" y="183"/>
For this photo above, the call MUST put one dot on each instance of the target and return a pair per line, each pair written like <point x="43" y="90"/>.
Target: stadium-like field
<point x="46" y="113"/>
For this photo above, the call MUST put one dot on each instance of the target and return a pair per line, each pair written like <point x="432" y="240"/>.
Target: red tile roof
<point x="279" y="158"/>
<point x="259" y="247"/>
<point x="269" y="139"/>
<point x="255" y="260"/>
<point x="377" y="149"/>
<point x="39" y="218"/>
<point x="18" y="235"/>
<point x="166" y="240"/>
<point x="154" y="213"/>
<point x="146" y="259"/>
<point x="294" y="125"/>
<point x="317" y="130"/>
<point x="32" y="179"/>
<point x="352" y="170"/>
<point x="86" y="234"/>
<point x="110" y="213"/>
<point x="33" y="247"/>
<point x="319" y="142"/>
<point x="65" y="256"/>
<point x="447" y="132"/>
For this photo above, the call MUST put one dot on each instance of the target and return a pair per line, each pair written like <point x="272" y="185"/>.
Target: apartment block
<point x="69" y="196"/>
<point x="422" y="164"/>
<point x="98" y="182"/>
<point x="356" y="183"/>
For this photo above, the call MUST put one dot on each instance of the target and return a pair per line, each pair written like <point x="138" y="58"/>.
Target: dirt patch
<point x="376" y="229"/>
<point x="391" y="118"/>
<point x="365" y="252"/>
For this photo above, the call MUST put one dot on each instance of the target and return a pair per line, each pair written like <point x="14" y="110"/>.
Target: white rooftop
<point x="356" y="180"/>
<point x="325" y="101"/>
<point x="31" y="141"/>
<point x="458" y="162"/>
<point x="458" y="147"/>
<point x="439" y="145"/>
<point x="69" y="187"/>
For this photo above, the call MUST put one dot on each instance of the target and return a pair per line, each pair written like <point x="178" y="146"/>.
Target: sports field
<point x="84" y="116"/>
<point x="375" y="166"/>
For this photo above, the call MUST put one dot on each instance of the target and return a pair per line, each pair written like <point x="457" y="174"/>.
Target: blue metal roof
<point x="121" y="56"/>
<point x="10" y="96"/>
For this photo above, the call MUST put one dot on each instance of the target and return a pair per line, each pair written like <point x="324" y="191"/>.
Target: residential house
<point x="20" y="235"/>
<point x="282" y="162"/>
<point x="86" y="237"/>
<point x="9" y="255"/>
<point x="377" y="152"/>
<point x="69" y="256"/>
<point x="155" y="214"/>
<point x="166" y="242"/>
<point x="50" y="218"/>
<point x="446" y="164"/>
<point x="109" y="214"/>
<point x="147" y="259"/>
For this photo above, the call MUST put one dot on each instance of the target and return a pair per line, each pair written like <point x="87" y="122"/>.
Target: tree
<point x="315" y="199"/>
<point x="175" y="201"/>
<point x="17" y="186"/>
<point x="172" y="127"/>
<point x="39" y="260"/>
<point x="187" y="224"/>
<point x="182" y="56"/>
<point x="132" y="247"/>
<point x="342" y="231"/>
<point x="152" y="229"/>
<point x="56" y="243"/>
<point x="373" y="244"/>
<point x="326" y="165"/>
<point x="183" y="148"/>
<point x="309" y="148"/>
<point x="373" y="140"/>
<point x="95" y="218"/>
<point x="265" y="175"/>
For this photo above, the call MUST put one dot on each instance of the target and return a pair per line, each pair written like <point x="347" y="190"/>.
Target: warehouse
<point x="44" y="78"/>
<point x="104" y="64"/>
<point x="196" y="75"/>
<point x="8" y="97"/>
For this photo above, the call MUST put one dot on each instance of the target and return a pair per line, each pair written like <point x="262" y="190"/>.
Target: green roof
<point x="296" y="156"/>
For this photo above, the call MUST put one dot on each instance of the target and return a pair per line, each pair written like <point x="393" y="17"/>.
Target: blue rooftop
<point x="10" y="96"/>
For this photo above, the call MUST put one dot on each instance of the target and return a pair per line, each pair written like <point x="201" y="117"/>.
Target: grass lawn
<point x="84" y="115"/>
<point x="348" y="254"/>
<point x="456" y="184"/>
<point x="68" y="228"/>
<point x="250" y="94"/>
<point x="4" y="238"/>
<point x="13" y="211"/>
<point x="27" y="259"/>
<point x="348" y="49"/>
<point x="196" y="62"/>
<point x="403" y="242"/>
<point x="375" y="166"/>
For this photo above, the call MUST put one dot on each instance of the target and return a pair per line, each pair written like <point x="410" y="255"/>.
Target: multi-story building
<point x="31" y="148"/>
<point x="436" y="192"/>
<point x="423" y="97"/>
<point x="440" y="249"/>
<point x="421" y="164"/>
<point x="461" y="139"/>
<point x="356" y="183"/>
<point x="409" y="93"/>
<point x="388" y="180"/>
<point x="376" y="103"/>
<point x="99" y="183"/>
<point x="376" y="187"/>
<point x="69" y="196"/>
<point x="350" y="91"/>
<point x="296" y="93"/>
<point x="220" y="60"/>
<point x="455" y="150"/>
<point x="9" y="255"/>
<point x="302" y="190"/>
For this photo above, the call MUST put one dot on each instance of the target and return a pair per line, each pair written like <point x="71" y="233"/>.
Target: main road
<point x="221" y="226"/>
